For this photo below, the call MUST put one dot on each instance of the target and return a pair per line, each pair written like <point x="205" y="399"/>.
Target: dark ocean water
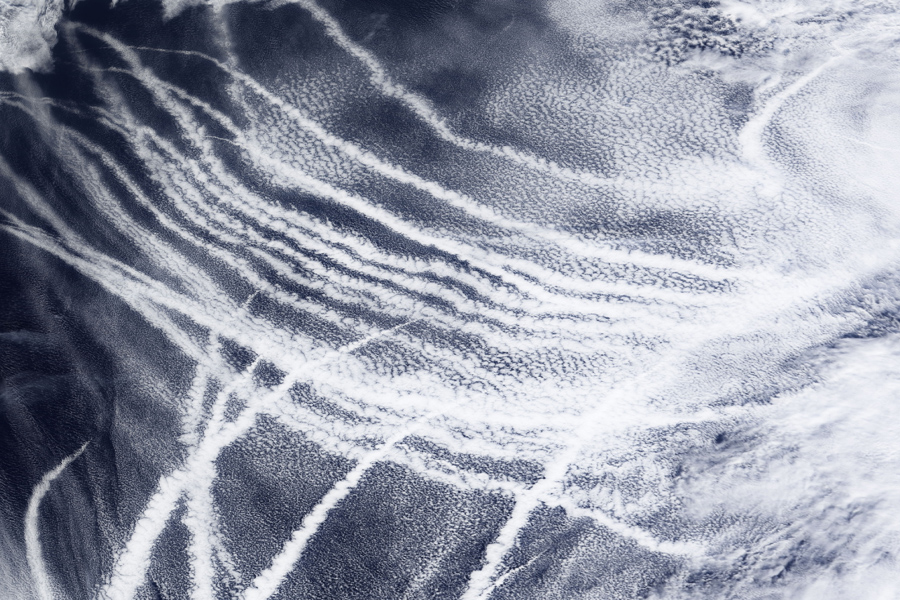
<point x="452" y="299"/>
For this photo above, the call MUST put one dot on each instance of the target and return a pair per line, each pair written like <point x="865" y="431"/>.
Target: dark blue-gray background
<point x="449" y="299"/>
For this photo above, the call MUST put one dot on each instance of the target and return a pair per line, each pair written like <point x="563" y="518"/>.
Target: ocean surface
<point x="450" y="300"/>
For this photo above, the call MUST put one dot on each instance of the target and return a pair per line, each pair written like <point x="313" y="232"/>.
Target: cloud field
<point x="479" y="299"/>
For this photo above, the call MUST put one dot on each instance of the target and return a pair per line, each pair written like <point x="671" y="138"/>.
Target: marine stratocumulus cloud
<point x="449" y="299"/>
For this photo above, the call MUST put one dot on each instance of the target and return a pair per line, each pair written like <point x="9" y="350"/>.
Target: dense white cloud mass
<point x="479" y="299"/>
<point x="27" y="33"/>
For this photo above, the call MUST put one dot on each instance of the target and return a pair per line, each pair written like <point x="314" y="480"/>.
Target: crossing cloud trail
<point x="452" y="299"/>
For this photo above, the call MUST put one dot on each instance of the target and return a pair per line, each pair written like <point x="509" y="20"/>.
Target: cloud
<point x="28" y="34"/>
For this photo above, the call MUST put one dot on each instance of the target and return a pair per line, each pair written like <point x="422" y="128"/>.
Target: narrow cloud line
<point x="423" y="109"/>
<point x="41" y="579"/>
<point x="199" y="468"/>
<point x="459" y="200"/>
<point x="268" y="582"/>
<point x="315" y="186"/>
<point x="131" y="288"/>
<point x="751" y="136"/>
<point x="288" y="219"/>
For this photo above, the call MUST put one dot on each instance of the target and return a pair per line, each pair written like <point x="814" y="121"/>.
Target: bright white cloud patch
<point x="28" y="33"/>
